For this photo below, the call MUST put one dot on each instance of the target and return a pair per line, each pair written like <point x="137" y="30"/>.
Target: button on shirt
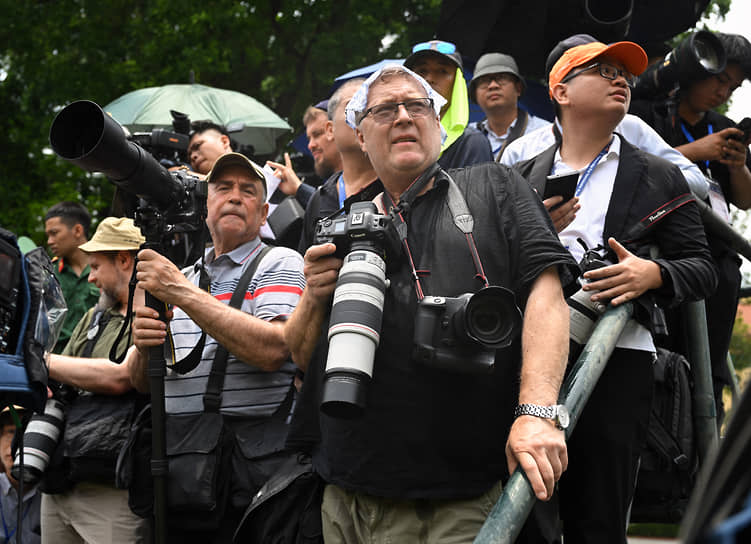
<point x="589" y="226"/>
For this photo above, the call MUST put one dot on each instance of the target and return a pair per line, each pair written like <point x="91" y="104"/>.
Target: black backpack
<point x="669" y="462"/>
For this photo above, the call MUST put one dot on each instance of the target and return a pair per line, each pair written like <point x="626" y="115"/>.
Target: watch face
<point x="563" y="416"/>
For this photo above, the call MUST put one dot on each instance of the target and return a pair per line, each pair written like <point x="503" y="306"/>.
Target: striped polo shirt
<point x="272" y="294"/>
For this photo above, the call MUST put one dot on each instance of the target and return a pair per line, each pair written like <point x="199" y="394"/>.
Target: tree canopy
<point x="284" y="53"/>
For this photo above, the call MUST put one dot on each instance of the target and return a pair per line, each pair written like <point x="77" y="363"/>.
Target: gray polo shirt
<point x="272" y="294"/>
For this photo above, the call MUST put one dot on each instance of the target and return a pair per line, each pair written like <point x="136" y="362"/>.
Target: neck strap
<point x="463" y="220"/>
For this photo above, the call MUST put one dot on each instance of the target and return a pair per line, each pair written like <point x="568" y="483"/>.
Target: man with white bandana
<point x="426" y="459"/>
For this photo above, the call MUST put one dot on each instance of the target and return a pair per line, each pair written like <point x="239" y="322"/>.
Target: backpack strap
<point x="212" y="399"/>
<point x="98" y="323"/>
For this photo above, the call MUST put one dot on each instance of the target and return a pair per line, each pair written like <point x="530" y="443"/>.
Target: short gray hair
<point x="336" y="98"/>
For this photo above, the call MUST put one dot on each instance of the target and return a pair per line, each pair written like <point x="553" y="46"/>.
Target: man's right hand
<point x="148" y="329"/>
<point x="564" y="214"/>
<point x="321" y="271"/>
<point x="289" y="183"/>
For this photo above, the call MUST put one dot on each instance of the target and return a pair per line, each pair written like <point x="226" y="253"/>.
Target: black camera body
<point x="461" y="334"/>
<point x="593" y="259"/>
<point x="363" y="224"/>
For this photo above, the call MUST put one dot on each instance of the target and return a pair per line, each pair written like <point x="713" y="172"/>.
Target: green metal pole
<point x="735" y="387"/>
<point x="705" y="413"/>
<point x="507" y="517"/>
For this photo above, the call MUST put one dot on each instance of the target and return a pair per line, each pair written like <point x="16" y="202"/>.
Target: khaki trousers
<point x="91" y="514"/>
<point x="350" y="518"/>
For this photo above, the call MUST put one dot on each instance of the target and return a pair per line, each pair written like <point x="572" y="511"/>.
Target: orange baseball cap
<point x="631" y="55"/>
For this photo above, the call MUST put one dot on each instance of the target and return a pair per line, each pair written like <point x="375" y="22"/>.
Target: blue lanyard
<point x="584" y="178"/>
<point x="691" y="139"/>
<point x="8" y="535"/>
<point x="342" y="194"/>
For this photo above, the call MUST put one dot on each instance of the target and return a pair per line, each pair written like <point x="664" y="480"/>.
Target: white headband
<point x="358" y="103"/>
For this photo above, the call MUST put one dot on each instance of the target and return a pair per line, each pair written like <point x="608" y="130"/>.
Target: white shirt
<point x="589" y="225"/>
<point x="634" y="130"/>
<point x="497" y="141"/>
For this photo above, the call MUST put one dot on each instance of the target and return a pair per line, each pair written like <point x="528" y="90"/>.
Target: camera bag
<point x="199" y="451"/>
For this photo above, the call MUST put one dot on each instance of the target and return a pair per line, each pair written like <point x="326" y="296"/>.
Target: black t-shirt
<point x="426" y="432"/>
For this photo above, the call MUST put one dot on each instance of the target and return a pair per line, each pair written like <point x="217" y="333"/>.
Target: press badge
<point x="717" y="200"/>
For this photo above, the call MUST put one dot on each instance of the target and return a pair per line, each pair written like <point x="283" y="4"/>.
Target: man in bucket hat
<point x="81" y="503"/>
<point x="496" y="87"/>
<point x="617" y="186"/>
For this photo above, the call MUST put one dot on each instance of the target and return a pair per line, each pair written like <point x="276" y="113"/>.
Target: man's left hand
<point x="160" y="277"/>
<point x="627" y="280"/>
<point x="540" y="448"/>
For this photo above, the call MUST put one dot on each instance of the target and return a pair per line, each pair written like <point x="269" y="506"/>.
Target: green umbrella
<point x="248" y="121"/>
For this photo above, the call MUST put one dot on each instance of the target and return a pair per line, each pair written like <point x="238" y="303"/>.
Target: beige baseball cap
<point x="115" y="234"/>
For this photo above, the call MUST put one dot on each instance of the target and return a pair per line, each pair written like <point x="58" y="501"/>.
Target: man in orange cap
<point x="630" y="202"/>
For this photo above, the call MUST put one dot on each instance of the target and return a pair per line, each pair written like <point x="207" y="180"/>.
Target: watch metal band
<point x="545" y="412"/>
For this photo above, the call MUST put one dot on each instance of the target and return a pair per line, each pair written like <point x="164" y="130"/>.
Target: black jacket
<point x="643" y="183"/>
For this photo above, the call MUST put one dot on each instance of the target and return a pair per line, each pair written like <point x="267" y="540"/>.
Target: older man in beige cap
<point x="86" y="506"/>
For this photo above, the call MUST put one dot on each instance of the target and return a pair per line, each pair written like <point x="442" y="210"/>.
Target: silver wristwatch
<point x="558" y="413"/>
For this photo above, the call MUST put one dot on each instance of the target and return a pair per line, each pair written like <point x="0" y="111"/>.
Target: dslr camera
<point x="583" y="313"/>
<point x="361" y="238"/>
<point x="461" y="334"/>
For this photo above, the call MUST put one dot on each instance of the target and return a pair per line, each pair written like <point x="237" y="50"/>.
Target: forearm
<point x="692" y="151"/>
<point x="545" y="339"/>
<point x="740" y="182"/>
<point x="138" y="364"/>
<point x="250" y="339"/>
<point x="303" y="328"/>
<point x="95" y="375"/>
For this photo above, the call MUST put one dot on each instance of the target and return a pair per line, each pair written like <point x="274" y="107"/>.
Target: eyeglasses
<point x="387" y="112"/>
<point x="500" y="79"/>
<point x="447" y="48"/>
<point x="608" y="71"/>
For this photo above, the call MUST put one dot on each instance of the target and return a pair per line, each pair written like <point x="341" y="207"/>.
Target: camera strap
<point x="212" y="399"/>
<point x="193" y="358"/>
<point x="651" y="219"/>
<point x="462" y="217"/>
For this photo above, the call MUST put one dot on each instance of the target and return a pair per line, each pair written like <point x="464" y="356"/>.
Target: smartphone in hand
<point x="563" y="185"/>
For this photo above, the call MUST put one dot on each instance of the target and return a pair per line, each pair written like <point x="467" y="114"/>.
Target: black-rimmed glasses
<point x="388" y="111"/>
<point x="608" y="71"/>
